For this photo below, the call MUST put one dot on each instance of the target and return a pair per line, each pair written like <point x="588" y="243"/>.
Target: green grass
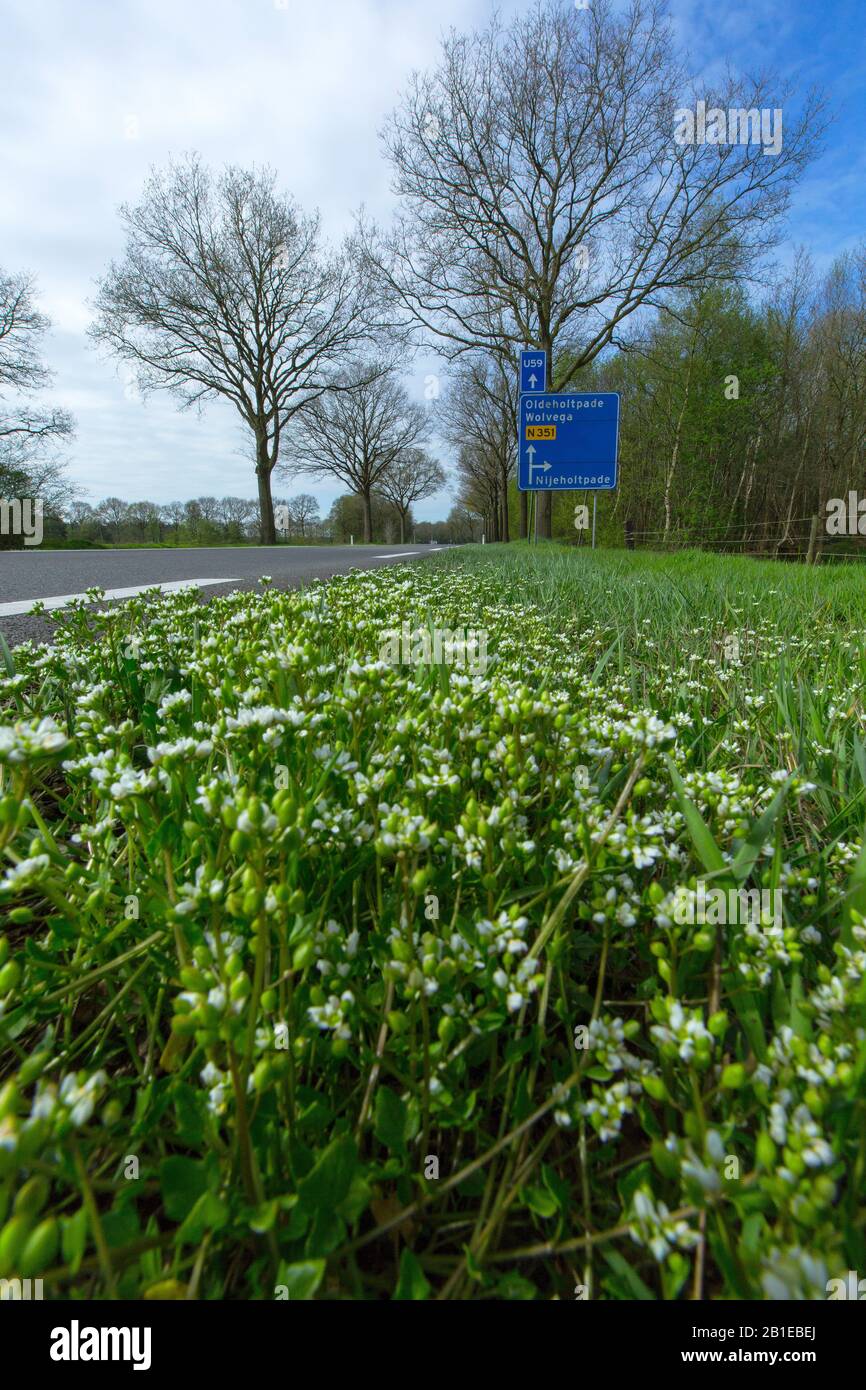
<point x="330" y="977"/>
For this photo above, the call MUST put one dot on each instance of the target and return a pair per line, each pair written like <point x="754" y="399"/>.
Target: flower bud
<point x="446" y="1029"/>
<point x="733" y="1076"/>
<point x="31" y="1198"/>
<point x="41" y="1248"/>
<point x="13" y="1238"/>
<point x="33" y="1068"/>
<point x="10" y="974"/>
<point x="765" y="1151"/>
<point x="303" y="955"/>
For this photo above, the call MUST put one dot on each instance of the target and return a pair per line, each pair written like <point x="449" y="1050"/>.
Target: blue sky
<point x="95" y="93"/>
<point x="821" y="45"/>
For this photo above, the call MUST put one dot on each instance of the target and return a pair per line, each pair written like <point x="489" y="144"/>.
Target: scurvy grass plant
<point x="323" y="977"/>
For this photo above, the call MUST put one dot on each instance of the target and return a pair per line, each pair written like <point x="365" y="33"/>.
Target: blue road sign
<point x="533" y="370"/>
<point x="568" y="442"/>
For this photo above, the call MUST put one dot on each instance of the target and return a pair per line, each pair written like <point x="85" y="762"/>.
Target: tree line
<point x="235" y="521"/>
<point x="741" y="418"/>
<point x="543" y="201"/>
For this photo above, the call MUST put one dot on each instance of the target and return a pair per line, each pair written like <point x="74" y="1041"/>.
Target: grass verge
<point x="329" y="976"/>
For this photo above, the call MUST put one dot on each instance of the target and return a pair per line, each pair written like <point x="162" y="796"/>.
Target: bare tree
<point x="463" y="523"/>
<point x="225" y="289"/>
<point x="112" y="513"/>
<point x="236" y="513"/>
<point x="478" y="487"/>
<point x="356" y="433"/>
<point x="478" y="418"/>
<point x="25" y="433"/>
<point x="209" y="509"/>
<point x="145" y="518"/>
<point x="173" y="515"/>
<point x="21" y="328"/>
<point x="545" y="194"/>
<point x="412" y="476"/>
<point x="80" y="513"/>
<point x="303" y="511"/>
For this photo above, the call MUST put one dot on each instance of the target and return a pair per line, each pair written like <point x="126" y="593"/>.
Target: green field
<point x="326" y="976"/>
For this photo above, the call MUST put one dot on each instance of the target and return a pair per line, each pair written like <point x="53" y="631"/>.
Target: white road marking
<point x="404" y="554"/>
<point x="174" y="586"/>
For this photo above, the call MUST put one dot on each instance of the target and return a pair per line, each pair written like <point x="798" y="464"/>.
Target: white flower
<point x="23" y="742"/>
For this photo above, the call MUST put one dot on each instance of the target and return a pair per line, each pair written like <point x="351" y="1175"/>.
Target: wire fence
<point x="802" y="538"/>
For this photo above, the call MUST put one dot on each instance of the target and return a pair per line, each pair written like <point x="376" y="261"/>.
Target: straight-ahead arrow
<point x="532" y="380"/>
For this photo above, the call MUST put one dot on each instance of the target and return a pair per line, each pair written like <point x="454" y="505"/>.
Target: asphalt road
<point x="57" y="576"/>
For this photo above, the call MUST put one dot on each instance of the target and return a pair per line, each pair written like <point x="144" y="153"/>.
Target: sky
<point x="96" y="92"/>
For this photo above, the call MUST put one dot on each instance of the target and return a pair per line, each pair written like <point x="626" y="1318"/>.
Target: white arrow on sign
<point x="532" y="380"/>
<point x="530" y="453"/>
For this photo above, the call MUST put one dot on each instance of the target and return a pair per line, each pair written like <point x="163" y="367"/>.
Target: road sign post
<point x="533" y="377"/>
<point x="568" y="442"/>
<point x="533" y="370"/>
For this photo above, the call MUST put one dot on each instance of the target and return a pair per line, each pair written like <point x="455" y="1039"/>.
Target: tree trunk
<point x="786" y="534"/>
<point x="368" y="517"/>
<point x="545" y="516"/>
<point x="506" y="535"/>
<point x="675" y="454"/>
<point x="524" y="516"/>
<point x="264" y="467"/>
<point x="402" y="527"/>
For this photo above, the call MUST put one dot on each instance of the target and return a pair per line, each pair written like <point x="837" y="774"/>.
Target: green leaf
<point x="120" y="1226"/>
<point x="181" y="1181"/>
<point x="210" y="1213"/>
<point x="74" y="1238"/>
<point x="539" y="1201"/>
<point x="188" y="1109"/>
<point x="411" y="1283"/>
<point x="514" y="1288"/>
<point x="754" y="1231"/>
<point x="473" y="1268"/>
<point x="708" y="851"/>
<point x="330" y="1178"/>
<point x="855" y="897"/>
<point x="632" y="1280"/>
<point x="326" y="1233"/>
<point x="748" y="1014"/>
<point x="8" y="661"/>
<point x="263" y="1218"/>
<point x="301" y="1280"/>
<point x="800" y="1021"/>
<point x="390" y="1121"/>
<point x="779" y="1003"/>
<point x="556" y="1186"/>
<point x="357" y="1201"/>
<point x="747" y="854"/>
<point x="604" y="659"/>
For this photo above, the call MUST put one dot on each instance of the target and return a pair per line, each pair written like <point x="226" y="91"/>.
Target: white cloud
<point x="303" y="88"/>
<point x="94" y="95"/>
